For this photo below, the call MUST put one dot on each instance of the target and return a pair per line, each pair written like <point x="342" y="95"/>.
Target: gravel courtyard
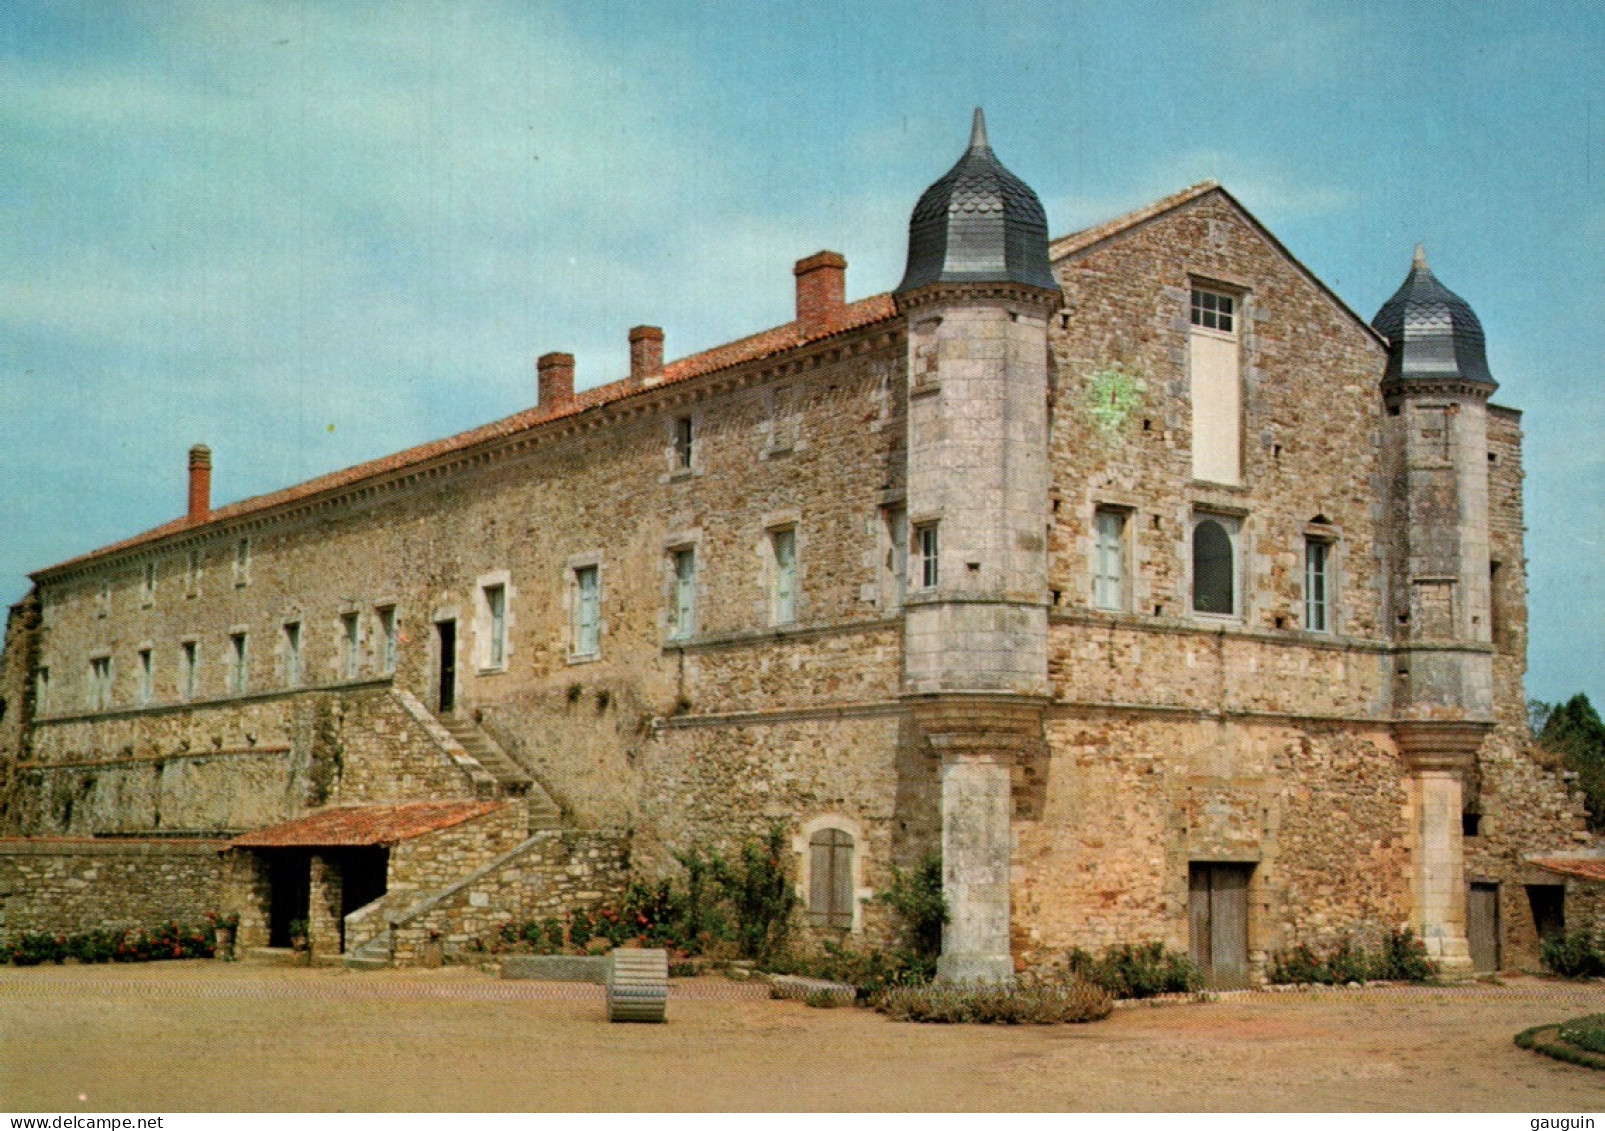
<point x="198" y="1036"/>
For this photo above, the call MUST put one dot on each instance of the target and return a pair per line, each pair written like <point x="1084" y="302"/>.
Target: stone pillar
<point x="246" y="892"/>
<point x="1436" y="756"/>
<point x="325" y="931"/>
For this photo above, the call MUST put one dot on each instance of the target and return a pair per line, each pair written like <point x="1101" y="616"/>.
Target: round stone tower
<point x="1435" y="388"/>
<point x="977" y="293"/>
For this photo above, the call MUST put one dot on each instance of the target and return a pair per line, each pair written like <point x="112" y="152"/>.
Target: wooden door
<point x="1482" y="926"/>
<point x="1217" y="916"/>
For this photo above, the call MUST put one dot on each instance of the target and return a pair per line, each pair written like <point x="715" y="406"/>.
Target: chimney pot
<point x="555" y="380"/>
<point x="821" y="291"/>
<point x="200" y="481"/>
<point x="646" y="355"/>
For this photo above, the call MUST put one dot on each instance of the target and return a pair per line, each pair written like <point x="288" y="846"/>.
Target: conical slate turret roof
<point x="1433" y="334"/>
<point x="978" y="224"/>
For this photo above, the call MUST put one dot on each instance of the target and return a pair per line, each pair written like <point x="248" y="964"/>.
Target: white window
<point x="147" y="585"/>
<point x="41" y="691"/>
<point x="292" y="654"/>
<point x="1109" y="560"/>
<point x="926" y="551"/>
<point x="895" y="566"/>
<point x="242" y="561"/>
<point x="350" y="645"/>
<point x="100" y="683"/>
<point x="147" y="678"/>
<point x="193" y="587"/>
<point x="237" y="662"/>
<point x="387" y="632"/>
<point x="830" y="879"/>
<point x="683" y="436"/>
<point x="495" y="611"/>
<point x="587" y="610"/>
<point x="783" y="598"/>
<point x="1317" y="585"/>
<point x="1216" y="388"/>
<point x="191" y="668"/>
<point x="1216" y="586"/>
<point x="685" y="594"/>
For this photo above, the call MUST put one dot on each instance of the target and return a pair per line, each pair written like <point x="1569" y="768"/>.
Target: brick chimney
<point x="646" y="355"/>
<point x="555" y="379"/>
<point x="200" y="481"/>
<point x="821" y="291"/>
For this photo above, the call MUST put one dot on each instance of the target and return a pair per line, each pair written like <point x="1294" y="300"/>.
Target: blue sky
<point x="310" y="234"/>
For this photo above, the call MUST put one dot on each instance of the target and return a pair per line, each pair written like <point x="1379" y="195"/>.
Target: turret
<point x="977" y="293"/>
<point x="1436" y="387"/>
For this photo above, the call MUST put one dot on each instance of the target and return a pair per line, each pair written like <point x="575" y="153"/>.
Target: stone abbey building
<point x="1133" y="571"/>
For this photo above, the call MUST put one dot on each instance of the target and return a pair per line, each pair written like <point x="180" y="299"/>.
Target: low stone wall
<point x="548" y="875"/>
<point x="75" y="885"/>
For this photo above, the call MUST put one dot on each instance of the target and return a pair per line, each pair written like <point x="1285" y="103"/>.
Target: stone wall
<point x="74" y="885"/>
<point x="551" y="874"/>
<point x="1108" y="823"/>
<point x="17" y="665"/>
<point x="229" y="766"/>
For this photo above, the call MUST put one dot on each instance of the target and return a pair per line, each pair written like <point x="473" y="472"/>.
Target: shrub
<point x="921" y="908"/>
<point x="1029" y="1001"/>
<point x="1576" y="954"/>
<point x="1585" y="1032"/>
<point x="759" y="889"/>
<point x="1135" y="970"/>
<point x="170" y="940"/>
<point x="1403" y="958"/>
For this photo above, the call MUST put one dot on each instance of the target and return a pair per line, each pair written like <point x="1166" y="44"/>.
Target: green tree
<point x="1572" y="731"/>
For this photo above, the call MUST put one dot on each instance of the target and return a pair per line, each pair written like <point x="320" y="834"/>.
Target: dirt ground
<point x="206" y="1036"/>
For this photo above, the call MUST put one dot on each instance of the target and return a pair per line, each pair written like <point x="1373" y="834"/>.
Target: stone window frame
<point x="389" y="615"/>
<point x="802" y="848"/>
<point x="349" y="622"/>
<point x="41" y="690"/>
<point x="492" y="633"/>
<point x="192" y="574"/>
<point x="574" y="570"/>
<point x="679" y="547"/>
<point x="242" y="562"/>
<point x="1234" y="524"/>
<point x="894" y="535"/>
<point x="103" y="598"/>
<point x="147" y="584"/>
<point x="1326" y="536"/>
<point x="925" y="552"/>
<point x="292" y="643"/>
<point x="1238" y="294"/>
<point x="683" y="451"/>
<point x="778" y="528"/>
<point x="1123" y="556"/>
<point x="239" y="669"/>
<point x="189" y="654"/>
<point x="145" y="691"/>
<point x="98" y="682"/>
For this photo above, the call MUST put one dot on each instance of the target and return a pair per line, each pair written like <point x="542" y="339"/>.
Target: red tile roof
<point x="852" y="316"/>
<point x="364" y="825"/>
<point x="1583" y="867"/>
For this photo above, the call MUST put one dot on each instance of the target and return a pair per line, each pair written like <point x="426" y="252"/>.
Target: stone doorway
<point x="446" y="632"/>
<point x="1217" y="916"/>
<point x="289" y="887"/>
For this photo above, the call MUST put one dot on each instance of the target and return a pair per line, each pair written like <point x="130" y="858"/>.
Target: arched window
<point x="830" y="879"/>
<point x="1214" y="567"/>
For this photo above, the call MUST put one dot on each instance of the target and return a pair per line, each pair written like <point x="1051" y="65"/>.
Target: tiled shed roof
<point x="366" y="825"/>
<point x="1582" y="867"/>
<point x="852" y="316"/>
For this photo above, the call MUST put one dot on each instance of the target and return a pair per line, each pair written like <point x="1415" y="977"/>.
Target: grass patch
<point x="1559" y="1041"/>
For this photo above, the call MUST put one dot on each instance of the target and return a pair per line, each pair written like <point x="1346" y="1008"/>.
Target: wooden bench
<point x="637" y="985"/>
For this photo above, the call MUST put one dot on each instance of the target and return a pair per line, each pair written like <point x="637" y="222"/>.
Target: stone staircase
<point x="512" y="780"/>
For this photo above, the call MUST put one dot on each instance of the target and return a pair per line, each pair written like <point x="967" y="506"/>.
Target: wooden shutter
<point x="830" y="879"/>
